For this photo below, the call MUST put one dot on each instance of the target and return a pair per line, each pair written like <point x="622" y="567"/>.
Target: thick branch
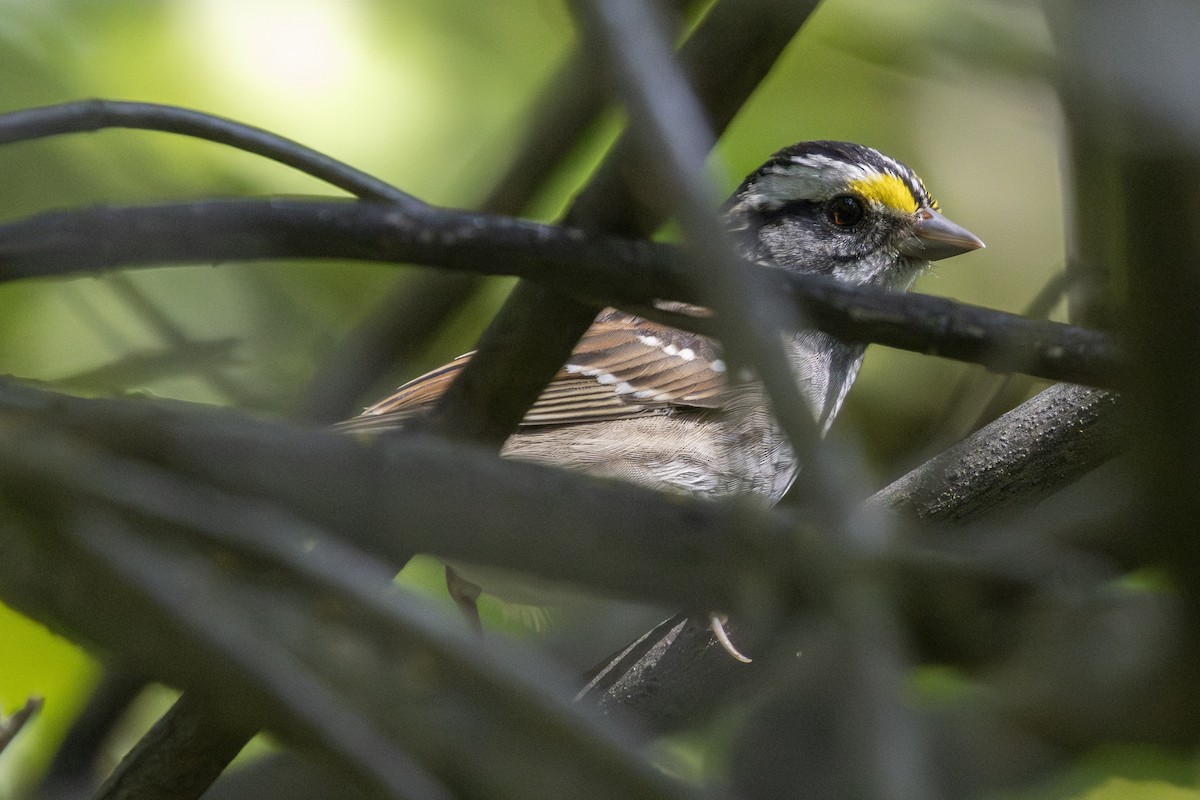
<point x="538" y="327"/>
<point x="72" y="773"/>
<point x="599" y="269"/>
<point x="395" y="497"/>
<point x="677" y="675"/>
<point x="668" y="121"/>
<point x="332" y="655"/>
<point x="1022" y="457"/>
<point x="178" y="759"/>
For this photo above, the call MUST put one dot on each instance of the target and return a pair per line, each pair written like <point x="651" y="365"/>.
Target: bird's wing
<point x="624" y="366"/>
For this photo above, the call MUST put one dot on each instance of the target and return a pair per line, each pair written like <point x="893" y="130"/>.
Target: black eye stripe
<point x="792" y="208"/>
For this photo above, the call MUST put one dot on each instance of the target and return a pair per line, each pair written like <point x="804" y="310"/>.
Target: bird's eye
<point x="844" y="210"/>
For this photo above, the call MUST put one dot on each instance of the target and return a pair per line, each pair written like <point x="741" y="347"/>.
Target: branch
<point x="666" y="118"/>
<point x="88" y="116"/>
<point x="598" y="269"/>
<point x="11" y="725"/>
<point x="392" y="498"/>
<point x="178" y="759"/>
<point x="189" y="476"/>
<point x="72" y="773"/>
<point x="331" y="656"/>
<point x="676" y="676"/>
<point x="71" y="242"/>
<point x="537" y="328"/>
<point x="1017" y="460"/>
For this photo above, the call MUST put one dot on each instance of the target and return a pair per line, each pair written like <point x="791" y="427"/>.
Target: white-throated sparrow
<point x="652" y="404"/>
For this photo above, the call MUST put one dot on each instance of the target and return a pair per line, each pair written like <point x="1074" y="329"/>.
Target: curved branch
<point x="87" y="116"/>
<point x="597" y="269"/>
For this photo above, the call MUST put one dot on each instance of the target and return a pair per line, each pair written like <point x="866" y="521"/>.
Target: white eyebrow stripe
<point x="825" y="165"/>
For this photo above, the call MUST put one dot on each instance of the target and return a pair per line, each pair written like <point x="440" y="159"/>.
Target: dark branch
<point x="10" y="726"/>
<point x="538" y="327"/>
<point x="597" y="269"/>
<point x="396" y="497"/>
<point x="317" y="659"/>
<point x="70" y="242"/>
<point x="88" y="116"/>
<point x="178" y="759"/>
<point x="669" y="122"/>
<point x="676" y="675"/>
<point x="1021" y="458"/>
<point x="72" y="774"/>
<point x="414" y="310"/>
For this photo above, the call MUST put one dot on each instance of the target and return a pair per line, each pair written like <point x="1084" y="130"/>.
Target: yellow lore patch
<point x="887" y="189"/>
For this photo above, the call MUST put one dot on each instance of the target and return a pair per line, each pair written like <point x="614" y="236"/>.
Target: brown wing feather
<point x="624" y="366"/>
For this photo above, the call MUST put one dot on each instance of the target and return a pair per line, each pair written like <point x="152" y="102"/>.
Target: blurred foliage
<point x="433" y="95"/>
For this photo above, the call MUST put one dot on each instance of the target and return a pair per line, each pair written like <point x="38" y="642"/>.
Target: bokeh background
<point x="435" y="96"/>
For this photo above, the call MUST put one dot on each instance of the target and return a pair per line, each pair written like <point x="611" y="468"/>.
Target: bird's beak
<point x="933" y="237"/>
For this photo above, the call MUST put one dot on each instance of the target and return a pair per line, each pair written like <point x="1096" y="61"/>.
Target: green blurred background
<point x="433" y="96"/>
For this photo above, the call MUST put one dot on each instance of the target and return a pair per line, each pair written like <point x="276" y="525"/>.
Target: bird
<point x="655" y="405"/>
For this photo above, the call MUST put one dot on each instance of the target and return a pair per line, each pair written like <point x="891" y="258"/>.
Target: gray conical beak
<point x="934" y="237"/>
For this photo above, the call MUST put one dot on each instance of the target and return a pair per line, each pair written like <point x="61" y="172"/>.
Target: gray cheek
<point x="792" y="244"/>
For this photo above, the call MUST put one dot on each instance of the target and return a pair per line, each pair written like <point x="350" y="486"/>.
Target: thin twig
<point x="10" y="726"/>
<point x="174" y="337"/>
<point x="88" y="116"/>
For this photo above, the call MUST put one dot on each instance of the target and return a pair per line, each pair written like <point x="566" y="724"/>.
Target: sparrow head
<point x="845" y="210"/>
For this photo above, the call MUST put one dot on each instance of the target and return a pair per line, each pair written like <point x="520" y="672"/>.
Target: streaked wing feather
<point x="410" y="400"/>
<point x="651" y="363"/>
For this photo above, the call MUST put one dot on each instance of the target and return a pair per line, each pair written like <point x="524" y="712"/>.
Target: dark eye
<point x="844" y="210"/>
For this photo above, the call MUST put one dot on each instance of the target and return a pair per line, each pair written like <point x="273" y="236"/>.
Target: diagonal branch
<point x="538" y="327"/>
<point x="180" y="756"/>
<point x="331" y="654"/>
<point x="11" y="725"/>
<point x="675" y="675"/>
<point x="667" y="120"/>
